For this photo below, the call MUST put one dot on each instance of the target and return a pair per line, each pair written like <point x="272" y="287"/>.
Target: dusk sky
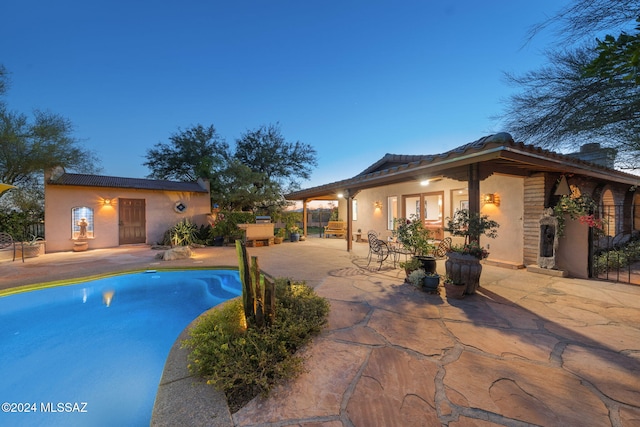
<point x="354" y="79"/>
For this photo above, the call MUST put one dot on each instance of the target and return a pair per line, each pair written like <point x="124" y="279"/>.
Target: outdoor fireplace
<point x="548" y="240"/>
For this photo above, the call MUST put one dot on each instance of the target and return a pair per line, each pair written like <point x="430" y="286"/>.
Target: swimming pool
<point x="92" y="354"/>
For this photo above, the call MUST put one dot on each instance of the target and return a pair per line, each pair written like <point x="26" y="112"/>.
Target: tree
<point x="617" y="57"/>
<point x="279" y="162"/>
<point x="196" y="152"/>
<point x="29" y="147"/>
<point x="234" y="189"/>
<point x="560" y="108"/>
<point x="263" y="166"/>
<point x="584" y="94"/>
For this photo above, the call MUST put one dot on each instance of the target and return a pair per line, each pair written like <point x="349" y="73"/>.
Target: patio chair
<point x="378" y="248"/>
<point x="6" y="242"/>
<point x="443" y="247"/>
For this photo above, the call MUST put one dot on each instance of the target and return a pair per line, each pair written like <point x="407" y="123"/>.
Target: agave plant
<point x="183" y="233"/>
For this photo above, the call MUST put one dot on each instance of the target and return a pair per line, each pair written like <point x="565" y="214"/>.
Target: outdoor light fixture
<point x="107" y="202"/>
<point x="340" y="195"/>
<point x="491" y="199"/>
<point x="424" y="183"/>
<point x="377" y="205"/>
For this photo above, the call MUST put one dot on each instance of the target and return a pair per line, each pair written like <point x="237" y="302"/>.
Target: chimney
<point x="592" y="152"/>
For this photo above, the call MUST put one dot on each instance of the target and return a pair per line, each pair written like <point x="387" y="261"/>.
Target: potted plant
<point x="415" y="240"/>
<point x="294" y="233"/>
<point x="410" y="266"/>
<point x="33" y="247"/>
<point x="576" y="206"/>
<point x="463" y="261"/>
<point x="454" y="289"/>
<point x="416" y="278"/>
<point x="279" y="237"/>
<point x="431" y="282"/>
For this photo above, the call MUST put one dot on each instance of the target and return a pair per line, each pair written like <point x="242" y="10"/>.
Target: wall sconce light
<point x="107" y="202"/>
<point x="340" y="195"/>
<point x="377" y="205"/>
<point x="491" y="199"/>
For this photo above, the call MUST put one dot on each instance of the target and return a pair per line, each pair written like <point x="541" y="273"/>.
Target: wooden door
<point x="132" y="221"/>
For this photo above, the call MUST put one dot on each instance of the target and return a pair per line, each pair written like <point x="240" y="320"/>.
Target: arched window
<point x="608" y="213"/>
<point x="82" y="223"/>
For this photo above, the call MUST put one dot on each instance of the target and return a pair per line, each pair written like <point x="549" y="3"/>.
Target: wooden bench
<point x="336" y="228"/>
<point x="258" y="234"/>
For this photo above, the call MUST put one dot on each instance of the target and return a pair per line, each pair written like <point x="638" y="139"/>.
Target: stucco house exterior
<point x="513" y="183"/>
<point x="95" y="211"/>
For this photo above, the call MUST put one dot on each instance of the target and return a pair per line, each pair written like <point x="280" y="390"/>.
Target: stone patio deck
<point x="527" y="349"/>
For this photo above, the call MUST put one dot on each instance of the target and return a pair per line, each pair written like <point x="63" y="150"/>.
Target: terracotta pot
<point x="454" y="291"/>
<point x="464" y="269"/>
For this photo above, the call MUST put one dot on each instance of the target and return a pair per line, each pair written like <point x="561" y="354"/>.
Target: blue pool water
<point x="92" y="354"/>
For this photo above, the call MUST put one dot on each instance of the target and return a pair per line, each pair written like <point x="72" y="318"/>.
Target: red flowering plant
<point x="577" y="206"/>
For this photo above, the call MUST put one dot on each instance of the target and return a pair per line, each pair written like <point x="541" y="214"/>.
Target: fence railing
<point x="616" y="249"/>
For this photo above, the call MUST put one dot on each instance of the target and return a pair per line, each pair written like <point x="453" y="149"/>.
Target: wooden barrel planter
<point x="464" y="269"/>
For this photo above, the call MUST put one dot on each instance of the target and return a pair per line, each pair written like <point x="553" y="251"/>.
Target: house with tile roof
<point x="93" y="211"/>
<point x="511" y="182"/>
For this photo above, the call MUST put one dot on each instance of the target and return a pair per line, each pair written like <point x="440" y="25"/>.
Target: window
<point x="355" y="210"/>
<point x="82" y="223"/>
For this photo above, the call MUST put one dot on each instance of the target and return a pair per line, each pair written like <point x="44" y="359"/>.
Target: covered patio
<point x="511" y="182"/>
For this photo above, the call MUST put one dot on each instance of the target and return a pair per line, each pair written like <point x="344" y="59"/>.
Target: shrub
<point x="413" y="235"/>
<point x="183" y="233"/>
<point x="226" y="224"/>
<point x="246" y="362"/>
<point x="617" y="258"/>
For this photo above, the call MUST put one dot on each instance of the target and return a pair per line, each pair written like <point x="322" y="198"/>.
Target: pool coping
<point x="184" y="399"/>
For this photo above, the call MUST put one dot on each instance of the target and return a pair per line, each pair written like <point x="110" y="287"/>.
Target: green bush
<point x="203" y="236"/>
<point x="246" y="362"/>
<point x="617" y="258"/>
<point x="226" y="225"/>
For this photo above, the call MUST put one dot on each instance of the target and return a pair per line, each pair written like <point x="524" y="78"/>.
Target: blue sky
<point x="354" y="79"/>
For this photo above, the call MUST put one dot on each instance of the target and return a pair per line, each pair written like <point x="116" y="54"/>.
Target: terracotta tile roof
<point x="500" y="147"/>
<point x="86" y="180"/>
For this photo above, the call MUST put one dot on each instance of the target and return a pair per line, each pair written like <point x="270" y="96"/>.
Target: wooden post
<point x="474" y="194"/>
<point x="304" y="218"/>
<point x="269" y="301"/>
<point x="259" y="294"/>
<point x="248" y="297"/>
<point x="349" y="219"/>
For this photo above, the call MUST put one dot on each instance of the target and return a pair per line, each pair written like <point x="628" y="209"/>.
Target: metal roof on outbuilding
<point x="87" y="180"/>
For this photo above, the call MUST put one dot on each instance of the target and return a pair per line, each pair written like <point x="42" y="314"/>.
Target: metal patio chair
<point x="378" y="248"/>
<point x="443" y="247"/>
<point x="6" y="242"/>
